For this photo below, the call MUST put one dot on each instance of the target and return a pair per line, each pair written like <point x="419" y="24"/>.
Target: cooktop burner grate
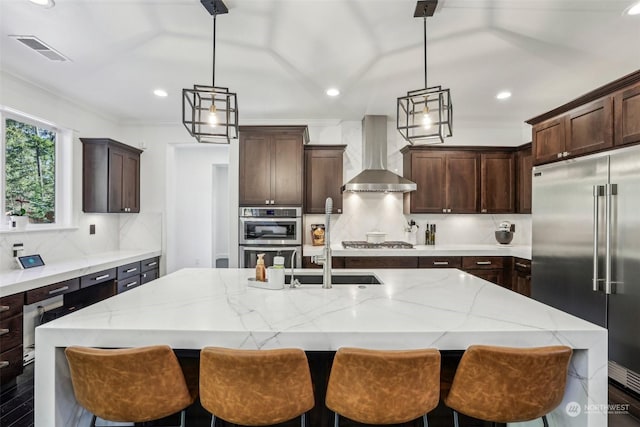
<point x="361" y="244"/>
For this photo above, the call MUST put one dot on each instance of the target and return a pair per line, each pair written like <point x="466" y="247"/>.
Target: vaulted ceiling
<point x="280" y="56"/>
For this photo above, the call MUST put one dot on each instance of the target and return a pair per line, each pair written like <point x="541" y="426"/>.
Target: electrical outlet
<point x="18" y="250"/>
<point x="92" y="229"/>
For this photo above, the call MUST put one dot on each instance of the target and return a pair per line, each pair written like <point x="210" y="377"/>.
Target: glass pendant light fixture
<point x="425" y="115"/>
<point x="210" y="113"/>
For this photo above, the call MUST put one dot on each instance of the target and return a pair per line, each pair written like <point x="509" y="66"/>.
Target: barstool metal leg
<point x="93" y="421"/>
<point x="456" y="423"/>
<point x="545" y="423"/>
<point x="213" y="420"/>
<point x="425" y="422"/>
<point x="336" y="419"/>
<point x="183" y="415"/>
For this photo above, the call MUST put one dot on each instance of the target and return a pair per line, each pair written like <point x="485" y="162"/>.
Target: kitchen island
<point x="440" y="308"/>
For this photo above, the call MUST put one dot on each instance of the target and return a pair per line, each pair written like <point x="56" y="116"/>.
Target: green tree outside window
<point x="30" y="163"/>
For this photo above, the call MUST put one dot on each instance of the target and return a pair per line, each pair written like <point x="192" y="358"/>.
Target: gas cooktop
<point x="361" y="244"/>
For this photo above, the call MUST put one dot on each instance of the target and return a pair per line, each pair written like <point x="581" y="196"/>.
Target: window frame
<point x="63" y="169"/>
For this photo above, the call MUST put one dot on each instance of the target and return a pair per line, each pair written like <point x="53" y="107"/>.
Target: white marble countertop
<point x="14" y="281"/>
<point x="427" y="250"/>
<point x="442" y="308"/>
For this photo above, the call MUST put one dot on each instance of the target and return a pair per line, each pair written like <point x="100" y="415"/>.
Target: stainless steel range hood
<point x="375" y="177"/>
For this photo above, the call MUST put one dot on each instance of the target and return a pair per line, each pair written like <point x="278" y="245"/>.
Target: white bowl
<point x="376" y="237"/>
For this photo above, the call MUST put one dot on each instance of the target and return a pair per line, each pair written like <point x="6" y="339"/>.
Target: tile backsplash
<point x="365" y="212"/>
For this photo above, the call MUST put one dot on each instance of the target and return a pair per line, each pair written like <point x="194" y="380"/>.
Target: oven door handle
<point x="268" y="248"/>
<point x="259" y="219"/>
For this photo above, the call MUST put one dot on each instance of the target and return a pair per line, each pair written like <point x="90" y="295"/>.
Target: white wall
<point x="193" y="193"/>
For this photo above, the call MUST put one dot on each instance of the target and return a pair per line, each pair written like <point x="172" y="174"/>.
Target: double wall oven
<point x="275" y="231"/>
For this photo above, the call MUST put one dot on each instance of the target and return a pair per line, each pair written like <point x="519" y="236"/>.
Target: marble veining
<point x="443" y="308"/>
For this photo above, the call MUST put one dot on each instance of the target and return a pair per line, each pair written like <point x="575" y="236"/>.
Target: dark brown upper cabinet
<point x="271" y="165"/>
<point x="606" y="117"/>
<point x="524" y="165"/>
<point x="448" y="181"/>
<point x="323" y="177"/>
<point x="110" y="176"/>
<point x="627" y="116"/>
<point x="497" y="182"/>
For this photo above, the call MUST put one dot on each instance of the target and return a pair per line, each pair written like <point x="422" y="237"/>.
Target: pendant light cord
<point x="213" y="74"/>
<point x="425" y="51"/>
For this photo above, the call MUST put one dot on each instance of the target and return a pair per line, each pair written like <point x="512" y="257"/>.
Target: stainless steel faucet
<point x="293" y="282"/>
<point x="325" y="259"/>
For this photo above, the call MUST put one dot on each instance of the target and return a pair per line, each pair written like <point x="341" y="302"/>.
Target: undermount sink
<point x="336" y="279"/>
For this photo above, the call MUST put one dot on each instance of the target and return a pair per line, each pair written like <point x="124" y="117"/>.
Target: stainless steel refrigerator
<point x="586" y="248"/>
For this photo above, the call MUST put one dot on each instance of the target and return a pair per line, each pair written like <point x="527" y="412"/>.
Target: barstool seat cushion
<point x="504" y="384"/>
<point x="129" y="385"/>
<point x="384" y="386"/>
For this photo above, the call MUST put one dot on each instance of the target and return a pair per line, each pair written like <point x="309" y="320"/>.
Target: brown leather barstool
<point x="383" y="386"/>
<point x="255" y="387"/>
<point x="504" y="384"/>
<point x="132" y="385"/>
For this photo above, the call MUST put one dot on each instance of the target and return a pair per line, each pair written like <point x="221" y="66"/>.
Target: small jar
<point x="278" y="262"/>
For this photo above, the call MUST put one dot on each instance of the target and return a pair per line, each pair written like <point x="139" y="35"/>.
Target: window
<point x="33" y="180"/>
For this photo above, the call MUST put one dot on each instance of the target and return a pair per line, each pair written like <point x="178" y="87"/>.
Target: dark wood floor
<point x="16" y="408"/>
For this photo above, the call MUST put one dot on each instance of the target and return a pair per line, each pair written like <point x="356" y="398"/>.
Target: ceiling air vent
<point x="40" y="47"/>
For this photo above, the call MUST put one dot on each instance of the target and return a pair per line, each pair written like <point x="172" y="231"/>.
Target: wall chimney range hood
<point x="375" y="177"/>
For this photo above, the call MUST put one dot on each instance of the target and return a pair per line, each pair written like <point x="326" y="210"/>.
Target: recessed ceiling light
<point x="634" y="9"/>
<point x="45" y="3"/>
<point x="333" y="91"/>
<point x="503" y="95"/>
<point x="160" y="93"/>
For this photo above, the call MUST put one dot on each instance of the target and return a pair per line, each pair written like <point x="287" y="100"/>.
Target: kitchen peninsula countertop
<point x="14" y="281"/>
<point x="427" y="250"/>
<point x="441" y="308"/>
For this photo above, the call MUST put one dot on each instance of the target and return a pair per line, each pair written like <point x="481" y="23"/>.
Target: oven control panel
<point x="271" y="212"/>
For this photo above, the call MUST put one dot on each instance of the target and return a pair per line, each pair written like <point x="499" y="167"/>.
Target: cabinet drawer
<point x="150" y="264"/>
<point x="522" y="265"/>
<point x="129" y="270"/>
<point x="128" y="284"/>
<point x="440" y="262"/>
<point x="493" y="276"/>
<point x="10" y="364"/>
<point x="99" y="277"/>
<point x="381" y="262"/>
<point x="481" y="263"/>
<point x="11" y="305"/>
<point x="11" y="332"/>
<point x="50" y="291"/>
<point x="148" y="276"/>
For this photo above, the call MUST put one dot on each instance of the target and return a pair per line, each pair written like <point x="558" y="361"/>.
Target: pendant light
<point x="425" y="115"/>
<point x="210" y="113"/>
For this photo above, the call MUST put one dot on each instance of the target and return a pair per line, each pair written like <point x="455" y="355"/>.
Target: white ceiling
<point x="279" y="56"/>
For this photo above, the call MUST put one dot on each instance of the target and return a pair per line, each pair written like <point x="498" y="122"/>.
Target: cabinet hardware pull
<point x="3" y="331"/>
<point x="266" y="202"/>
<point x="565" y="154"/>
<point x="60" y="289"/>
<point x="4" y="308"/>
<point x="104" y="276"/>
<point x="483" y="262"/>
<point x="519" y="264"/>
<point x="444" y="210"/>
<point x="131" y="270"/>
<point x="4" y="364"/>
<point x="151" y="264"/>
<point x="128" y="285"/>
<point x="440" y="262"/>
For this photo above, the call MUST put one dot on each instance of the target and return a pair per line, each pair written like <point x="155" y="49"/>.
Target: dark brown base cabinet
<point x="521" y="280"/>
<point x="110" y="176"/>
<point x="323" y="177"/>
<point x="77" y="292"/>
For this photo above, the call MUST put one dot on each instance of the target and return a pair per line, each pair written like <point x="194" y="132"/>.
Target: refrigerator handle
<point x="611" y="190"/>
<point x="598" y="191"/>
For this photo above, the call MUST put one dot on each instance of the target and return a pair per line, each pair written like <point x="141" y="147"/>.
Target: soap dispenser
<point x="261" y="272"/>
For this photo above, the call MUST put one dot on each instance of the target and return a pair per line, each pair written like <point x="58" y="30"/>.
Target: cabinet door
<point x="523" y="194"/>
<point x="131" y="182"/>
<point x="255" y="169"/>
<point x="323" y="178"/>
<point x="627" y="116"/>
<point x="523" y="284"/>
<point x="549" y="140"/>
<point x="428" y="172"/>
<point x="497" y="182"/>
<point x="381" y="262"/>
<point x="462" y="182"/>
<point x="116" y="179"/>
<point x="590" y="128"/>
<point x="286" y="170"/>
